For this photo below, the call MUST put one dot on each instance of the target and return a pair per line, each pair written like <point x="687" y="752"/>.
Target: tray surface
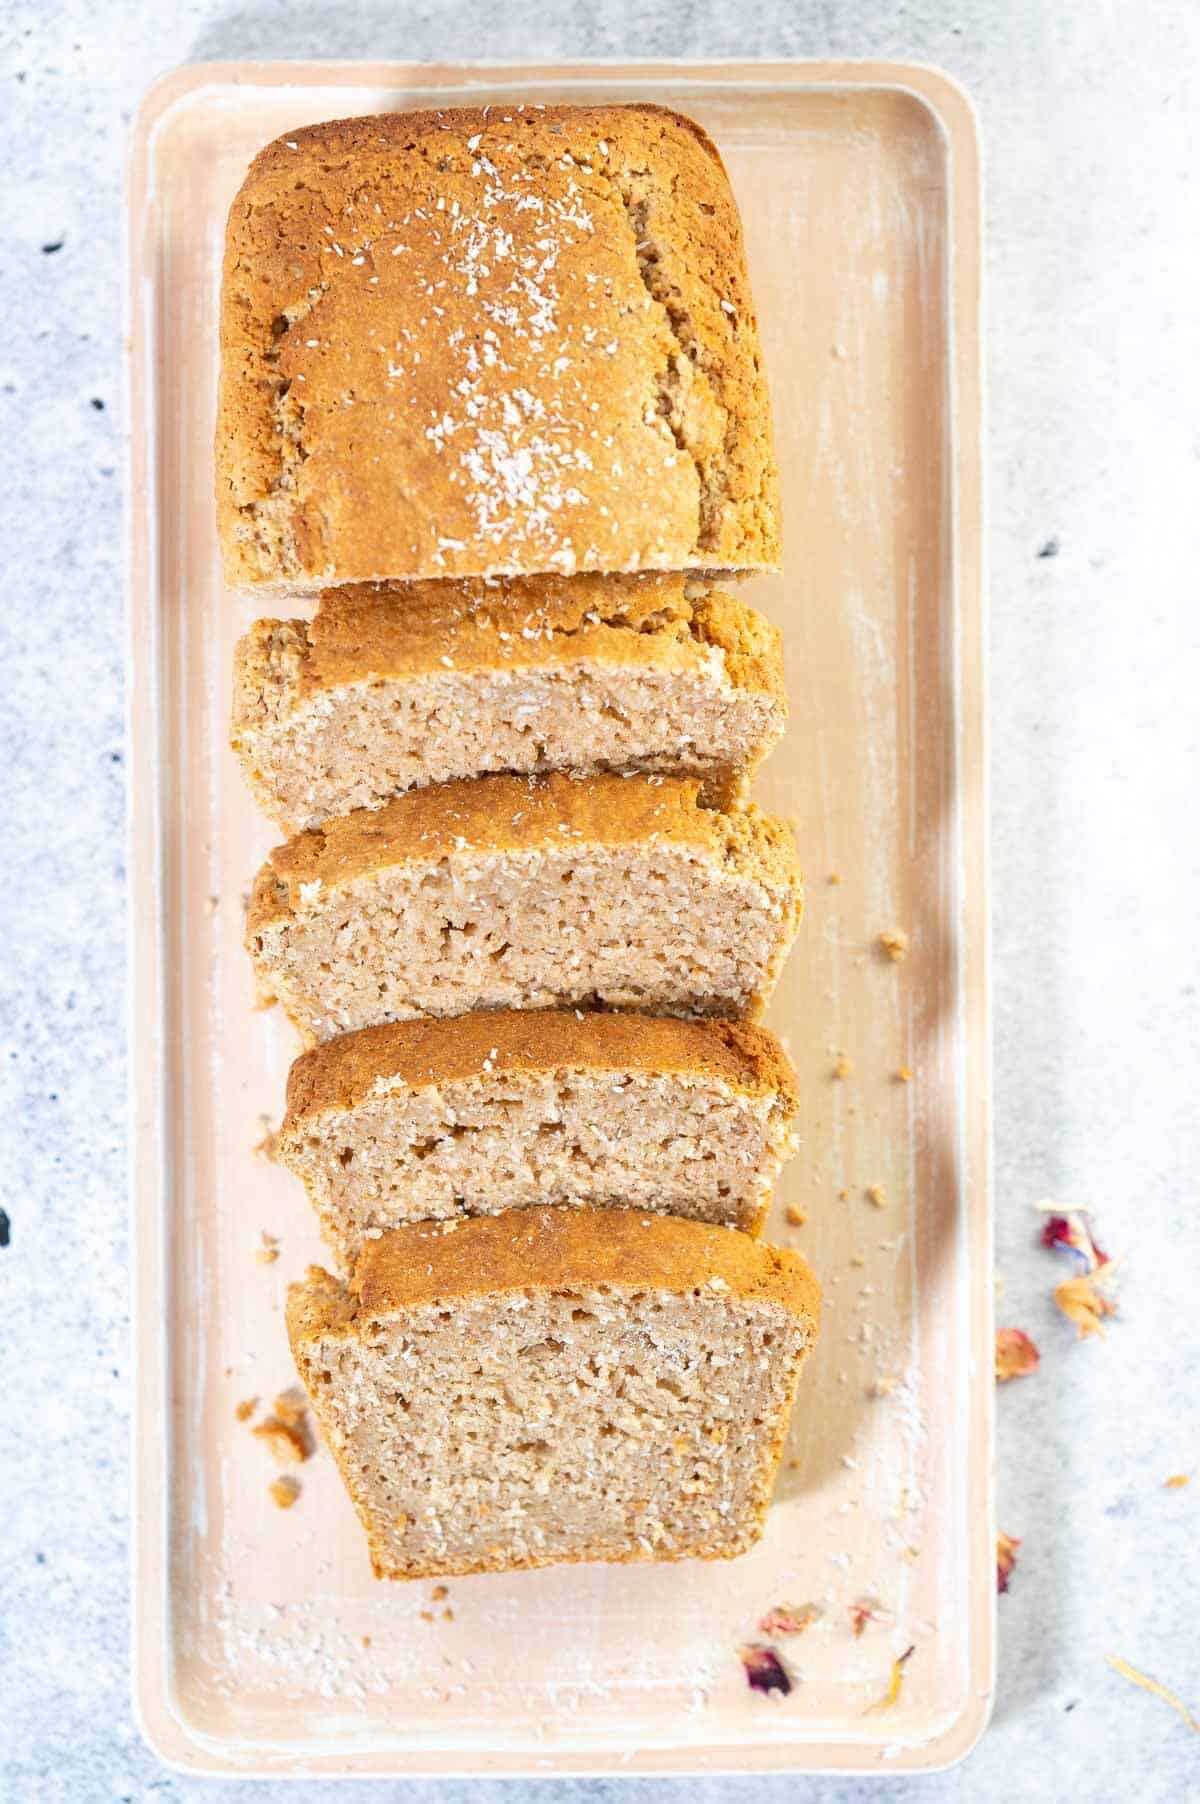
<point x="263" y="1644"/>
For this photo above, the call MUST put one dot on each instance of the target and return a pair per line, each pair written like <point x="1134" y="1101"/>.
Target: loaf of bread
<point x="489" y="341"/>
<point x="397" y="685"/>
<point x="556" y="1384"/>
<point x="510" y="892"/>
<point x="471" y="1114"/>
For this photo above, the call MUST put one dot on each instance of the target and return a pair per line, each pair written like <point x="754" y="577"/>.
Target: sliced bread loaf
<point x="512" y="893"/>
<point x="392" y="686"/>
<point x="422" y="1120"/>
<point x="556" y="1384"/>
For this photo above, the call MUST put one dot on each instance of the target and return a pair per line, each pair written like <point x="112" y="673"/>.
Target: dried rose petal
<point x="764" y="1669"/>
<point x="865" y="1610"/>
<point x="789" y="1619"/>
<point x="1068" y="1232"/>
<point x="1016" y="1355"/>
<point x="1083" y="1303"/>
<point x="1006" y="1559"/>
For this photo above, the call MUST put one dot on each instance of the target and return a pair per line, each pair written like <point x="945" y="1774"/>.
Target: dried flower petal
<point x="1016" y="1355"/>
<point x="1006" y="1559"/>
<point x="891" y="1696"/>
<point x="765" y="1671"/>
<point x="789" y="1619"/>
<point x="1145" y="1683"/>
<point x="1083" y="1303"/>
<point x="1066" y="1230"/>
<point x="863" y="1611"/>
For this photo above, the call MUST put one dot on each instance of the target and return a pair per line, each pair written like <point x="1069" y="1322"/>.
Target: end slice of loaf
<point x="558" y="1384"/>
<point x="490" y="341"/>
<point x="427" y="1120"/>
<point x="622" y="892"/>
<point x="394" y="686"/>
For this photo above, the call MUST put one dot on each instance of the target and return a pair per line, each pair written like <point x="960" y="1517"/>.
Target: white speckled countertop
<point x="1088" y="117"/>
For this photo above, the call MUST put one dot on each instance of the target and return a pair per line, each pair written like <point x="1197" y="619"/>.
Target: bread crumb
<point x="285" y="1442"/>
<point x="796" y="1217"/>
<point x="447" y="1614"/>
<point x="902" y="1075"/>
<point x="268" y="1252"/>
<point x="426" y="1615"/>
<point x="284" y="1491"/>
<point x="842" y="1066"/>
<point x="883" y="1385"/>
<point x="366" y="1641"/>
<point x="1177" y="1481"/>
<point x="878" y="1195"/>
<point x="835" y="877"/>
<point x="894" y="944"/>
<point x="246" y="1408"/>
<point x="291" y="1407"/>
<point x="439" y="1592"/>
<point x="268" y="1147"/>
<point x="843" y="1196"/>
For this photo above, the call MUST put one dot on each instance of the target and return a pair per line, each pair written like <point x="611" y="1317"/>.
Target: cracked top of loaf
<point x="490" y="341"/>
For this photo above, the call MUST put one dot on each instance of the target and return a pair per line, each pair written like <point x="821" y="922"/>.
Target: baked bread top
<point x="372" y="630"/>
<point x="548" y="1249"/>
<point x="487" y="341"/>
<point x="422" y="1053"/>
<point x="520" y="814"/>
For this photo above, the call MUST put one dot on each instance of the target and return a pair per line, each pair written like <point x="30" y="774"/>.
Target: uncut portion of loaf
<point x="558" y="1384"/>
<point x="425" y="1120"/>
<point x="396" y="685"/>
<point x="621" y="892"/>
<point x="490" y="341"/>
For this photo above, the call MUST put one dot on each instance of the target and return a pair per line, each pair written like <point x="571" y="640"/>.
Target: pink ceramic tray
<point x="263" y="1644"/>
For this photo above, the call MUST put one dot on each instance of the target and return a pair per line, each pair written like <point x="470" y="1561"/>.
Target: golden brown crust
<point x="490" y="340"/>
<point x="548" y="1250"/>
<point x="518" y="814"/>
<point x="422" y="1053"/>
<point x="369" y="631"/>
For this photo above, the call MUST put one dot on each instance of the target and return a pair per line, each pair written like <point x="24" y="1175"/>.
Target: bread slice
<point x="392" y="686"/>
<point x="490" y="341"/>
<point x="556" y="1384"/>
<point x="424" y="1120"/>
<point x="508" y="892"/>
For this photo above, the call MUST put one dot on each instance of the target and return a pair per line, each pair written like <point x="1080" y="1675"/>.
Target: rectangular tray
<point x="262" y="1643"/>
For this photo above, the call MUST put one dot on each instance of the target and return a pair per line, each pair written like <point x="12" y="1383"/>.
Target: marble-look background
<point x="1092" y="149"/>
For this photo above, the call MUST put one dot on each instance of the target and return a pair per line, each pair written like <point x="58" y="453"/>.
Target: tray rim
<point x="176" y="1742"/>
